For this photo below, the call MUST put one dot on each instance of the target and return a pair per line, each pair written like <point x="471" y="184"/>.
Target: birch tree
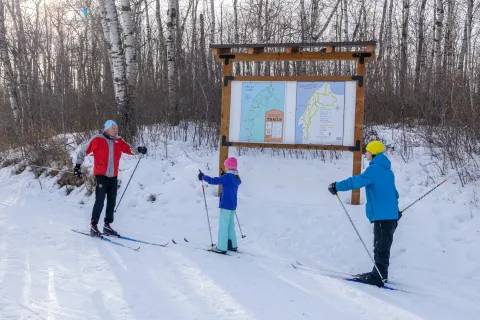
<point x="403" y="48"/>
<point x="129" y="43"/>
<point x="439" y="13"/>
<point x="171" y="58"/>
<point x="420" y="44"/>
<point x="8" y="70"/>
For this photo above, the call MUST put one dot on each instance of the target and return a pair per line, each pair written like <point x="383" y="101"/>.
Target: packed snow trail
<point x="49" y="272"/>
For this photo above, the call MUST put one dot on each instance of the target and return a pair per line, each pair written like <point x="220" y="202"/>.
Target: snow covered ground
<point x="287" y="215"/>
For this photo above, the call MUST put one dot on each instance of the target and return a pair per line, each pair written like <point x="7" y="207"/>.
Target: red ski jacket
<point x="106" y="154"/>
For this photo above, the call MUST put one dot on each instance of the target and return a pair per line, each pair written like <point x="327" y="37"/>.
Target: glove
<point x="332" y="188"/>
<point x="399" y="215"/>
<point x="77" y="172"/>
<point x="223" y="172"/>
<point x="200" y="175"/>
<point x="142" y="150"/>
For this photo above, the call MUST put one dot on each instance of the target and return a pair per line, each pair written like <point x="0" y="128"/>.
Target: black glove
<point x="332" y="188"/>
<point x="223" y="172"/>
<point x="142" y="150"/>
<point x="399" y="215"/>
<point x="77" y="171"/>
<point x="200" y="175"/>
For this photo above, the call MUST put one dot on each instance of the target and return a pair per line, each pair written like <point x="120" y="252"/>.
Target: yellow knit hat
<point x="375" y="147"/>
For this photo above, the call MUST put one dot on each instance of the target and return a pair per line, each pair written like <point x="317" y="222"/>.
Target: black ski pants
<point x="383" y="231"/>
<point x="105" y="186"/>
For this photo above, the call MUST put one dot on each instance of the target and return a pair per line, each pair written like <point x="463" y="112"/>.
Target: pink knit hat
<point x="231" y="163"/>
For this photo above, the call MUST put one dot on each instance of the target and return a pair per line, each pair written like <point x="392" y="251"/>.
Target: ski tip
<point x="294" y="266"/>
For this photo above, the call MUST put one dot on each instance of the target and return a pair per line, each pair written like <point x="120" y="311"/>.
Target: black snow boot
<point x="94" y="230"/>
<point x="363" y="274"/>
<point x="107" y="229"/>
<point x="370" y="278"/>
<point x="230" y="248"/>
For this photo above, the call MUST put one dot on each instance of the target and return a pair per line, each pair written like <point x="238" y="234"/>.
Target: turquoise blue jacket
<point x="379" y="183"/>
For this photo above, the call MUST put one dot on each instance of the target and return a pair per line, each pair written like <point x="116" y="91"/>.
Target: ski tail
<point x="107" y="240"/>
<point x="137" y="240"/>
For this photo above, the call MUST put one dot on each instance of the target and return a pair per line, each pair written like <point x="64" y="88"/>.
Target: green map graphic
<point x="319" y="112"/>
<point x="318" y="99"/>
<point x="257" y="99"/>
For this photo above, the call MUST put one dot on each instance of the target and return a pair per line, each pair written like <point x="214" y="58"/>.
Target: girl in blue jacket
<point x="381" y="207"/>
<point x="230" y="181"/>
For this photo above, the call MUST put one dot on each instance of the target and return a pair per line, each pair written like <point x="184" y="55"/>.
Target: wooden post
<point x="225" y="117"/>
<point x="358" y="133"/>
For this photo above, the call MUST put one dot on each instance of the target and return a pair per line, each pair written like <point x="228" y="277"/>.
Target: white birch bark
<point x="404" y="47"/>
<point x="129" y="44"/>
<point x="106" y="32"/>
<point x="439" y="14"/>
<point x="117" y="55"/>
<point x="171" y="65"/>
<point x="7" y="68"/>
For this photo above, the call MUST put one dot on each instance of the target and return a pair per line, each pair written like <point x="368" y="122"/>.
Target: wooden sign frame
<point x="292" y="52"/>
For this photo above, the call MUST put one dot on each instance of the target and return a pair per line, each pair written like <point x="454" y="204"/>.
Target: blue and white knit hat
<point x="108" y="124"/>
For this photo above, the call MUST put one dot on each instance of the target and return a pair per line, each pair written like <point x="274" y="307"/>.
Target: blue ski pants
<point x="226" y="230"/>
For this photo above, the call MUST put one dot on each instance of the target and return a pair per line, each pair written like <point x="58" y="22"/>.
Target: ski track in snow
<point x="49" y="272"/>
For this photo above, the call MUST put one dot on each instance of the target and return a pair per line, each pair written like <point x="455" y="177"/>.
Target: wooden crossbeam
<point x="293" y="78"/>
<point x="255" y="50"/>
<point x="291" y="49"/>
<point x="297" y="56"/>
<point x="299" y="45"/>
<point x="219" y="51"/>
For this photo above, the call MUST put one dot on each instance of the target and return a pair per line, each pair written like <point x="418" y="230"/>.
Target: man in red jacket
<point x="107" y="149"/>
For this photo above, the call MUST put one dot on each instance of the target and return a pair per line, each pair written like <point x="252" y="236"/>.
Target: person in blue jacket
<point x="381" y="207"/>
<point x="230" y="181"/>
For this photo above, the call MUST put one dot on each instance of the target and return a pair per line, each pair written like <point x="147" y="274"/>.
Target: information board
<point x="293" y="112"/>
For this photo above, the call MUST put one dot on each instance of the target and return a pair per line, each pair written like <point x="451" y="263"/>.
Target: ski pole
<point x="360" y="237"/>
<point x="128" y="182"/>
<point x="206" y="210"/>
<point x="238" y="222"/>
<point x="438" y="185"/>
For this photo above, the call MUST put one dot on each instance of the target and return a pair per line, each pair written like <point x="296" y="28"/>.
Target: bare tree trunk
<point x="148" y="44"/>
<point x="266" y="38"/>
<point x="404" y="47"/>
<point x="202" y="47"/>
<point x="171" y="61"/>
<point x="129" y="44"/>
<point x="345" y="31"/>
<point x="259" y="34"/>
<point x="106" y="33"/>
<point x="388" y="41"/>
<point x="163" y="46"/>
<point x="420" y="46"/>
<point x="237" y="36"/>
<point x="470" y="65"/>
<point x="8" y="70"/>
<point x="466" y="37"/>
<point x="382" y="26"/>
<point x="303" y="21"/>
<point x="118" y="63"/>
<point x="439" y="13"/>
<point x="213" y="64"/>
